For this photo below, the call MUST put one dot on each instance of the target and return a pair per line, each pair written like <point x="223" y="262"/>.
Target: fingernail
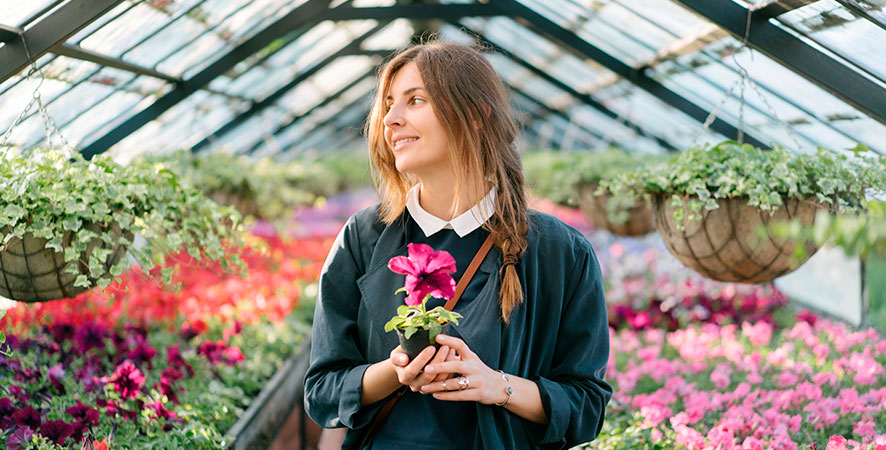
<point x="423" y="388"/>
<point x="430" y="350"/>
<point x="429" y="369"/>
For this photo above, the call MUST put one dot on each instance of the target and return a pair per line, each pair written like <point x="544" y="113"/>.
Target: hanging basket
<point x="244" y="202"/>
<point x="723" y="245"/>
<point x="30" y="272"/>
<point x="638" y="223"/>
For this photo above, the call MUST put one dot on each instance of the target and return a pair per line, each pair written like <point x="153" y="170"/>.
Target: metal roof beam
<point x="329" y="99"/>
<point x="302" y="14"/>
<point x="48" y="33"/>
<point x="774" y="8"/>
<point x="798" y="56"/>
<point x="77" y="52"/>
<point x="443" y="12"/>
<point x="585" y="49"/>
<point x="349" y="49"/>
<point x="586" y="99"/>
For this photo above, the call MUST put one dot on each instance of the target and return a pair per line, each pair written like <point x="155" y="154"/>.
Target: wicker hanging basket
<point x="724" y="245"/>
<point x="243" y="202"/>
<point x="31" y="272"/>
<point x="639" y="220"/>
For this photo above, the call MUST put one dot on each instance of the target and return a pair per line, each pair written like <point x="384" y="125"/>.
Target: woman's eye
<point x="416" y="100"/>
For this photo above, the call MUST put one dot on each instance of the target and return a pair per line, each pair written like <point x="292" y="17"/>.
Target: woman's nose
<point x="393" y="117"/>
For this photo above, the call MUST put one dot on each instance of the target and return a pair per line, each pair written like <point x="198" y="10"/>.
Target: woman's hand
<point x="484" y="385"/>
<point x="410" y="373"/>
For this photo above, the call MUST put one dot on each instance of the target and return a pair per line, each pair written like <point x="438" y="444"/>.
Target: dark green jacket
<point x="558" y="337"/>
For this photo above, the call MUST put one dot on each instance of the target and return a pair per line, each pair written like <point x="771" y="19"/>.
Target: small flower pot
<point x="418" y="341"/>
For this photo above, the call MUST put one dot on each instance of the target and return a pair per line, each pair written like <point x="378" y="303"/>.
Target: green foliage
<point x="552" y="175"/>
<point x="412" y="318"/>
<point x="862" y="233"/>
<point x="76" y="204"/>
<point x="273" y="188"/>
<point x="557" y="175"/>
<point x="697" y="177"/>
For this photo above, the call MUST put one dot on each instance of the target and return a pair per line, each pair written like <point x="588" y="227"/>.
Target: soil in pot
<point x="418" y="341"/>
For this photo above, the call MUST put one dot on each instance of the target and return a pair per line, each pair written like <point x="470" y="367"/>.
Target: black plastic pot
<point x="418" y="341"/>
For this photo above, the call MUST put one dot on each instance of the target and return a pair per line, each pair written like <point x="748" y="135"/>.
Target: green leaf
<point x="409" y="332"/>
<point x="82" y="281"/>
<point x="166" y="274"/>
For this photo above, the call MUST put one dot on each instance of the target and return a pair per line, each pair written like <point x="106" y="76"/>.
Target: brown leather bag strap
<point x="459" y="289"/>
<point x="469" y="273"/>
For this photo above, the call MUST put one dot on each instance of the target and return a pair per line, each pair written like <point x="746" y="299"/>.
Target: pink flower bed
<point x="815" y="385"/>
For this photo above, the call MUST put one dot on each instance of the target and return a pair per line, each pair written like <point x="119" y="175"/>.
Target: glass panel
<point x="843" y="32"/>
<point x="876" y="9"/>
<point x="127" y="31"/>
<point x="15" y="13"/>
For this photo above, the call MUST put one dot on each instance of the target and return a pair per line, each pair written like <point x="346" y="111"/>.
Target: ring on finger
<point x="463" y="383"/>
<point x="444" y="386"/>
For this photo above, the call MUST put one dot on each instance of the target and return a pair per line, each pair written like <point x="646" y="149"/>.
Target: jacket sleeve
<point x="573" y="393"/>
<point x="333" y="382"/>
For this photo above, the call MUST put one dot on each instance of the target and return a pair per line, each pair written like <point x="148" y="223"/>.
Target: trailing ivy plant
<point x="861" y="234"/>
<point x="697" y="177"/>
<point x="74" y="203"/>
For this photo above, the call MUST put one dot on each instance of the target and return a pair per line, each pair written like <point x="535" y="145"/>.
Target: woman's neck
<point x="438" y="199"/>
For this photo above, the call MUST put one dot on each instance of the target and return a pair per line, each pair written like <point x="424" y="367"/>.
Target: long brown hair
<point x="472" y="104"/>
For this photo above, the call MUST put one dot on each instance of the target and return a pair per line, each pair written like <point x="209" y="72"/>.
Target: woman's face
<point x="412" y="129"/>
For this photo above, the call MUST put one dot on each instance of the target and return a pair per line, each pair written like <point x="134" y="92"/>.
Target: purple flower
<point x="91" y="335"/>
<point x="82" y="413"/>
<point x="175" y="359"/>
<point x="18" y="439"/>
<point x="142" y="352"/>
<point x="427" y="272"/>
<point x="56" y="374"/>
<point x="27" y="417"/>
<point x="6" y="412"/>
<point x="62" y="331"/>
<point x="57" y="431"/>
<point x="19" y="393"/>
<point x="127" y="380"/>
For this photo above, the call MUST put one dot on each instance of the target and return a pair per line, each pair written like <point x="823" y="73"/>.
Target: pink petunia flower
<point x="127" y="380"/>
<point x="427" y="272"/>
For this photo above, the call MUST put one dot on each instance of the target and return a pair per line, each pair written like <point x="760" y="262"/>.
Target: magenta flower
<point x="427" y="272"/>
<point x="27" y="417"/>
<point x="127" y="380"/>
<point x="6" y="412"/>
<point x="82" y="413"/>
<point x="57" y="431"/>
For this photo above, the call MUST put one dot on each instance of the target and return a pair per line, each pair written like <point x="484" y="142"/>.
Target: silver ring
<point x="463" y="383"/>
<point x="444" y="386"/>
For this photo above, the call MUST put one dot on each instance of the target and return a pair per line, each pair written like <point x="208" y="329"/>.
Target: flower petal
<point x="439" y="285"/>
<point x="415" y="297"/>
<point x="403" y="265"/>
<point x="420" y="254"/>
<point x="442" y="261"/>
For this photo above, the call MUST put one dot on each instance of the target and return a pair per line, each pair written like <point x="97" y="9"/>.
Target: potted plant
<point x="621" y="215"/>
<point x="66" y="223"/>
<point x="428" y="274"/>
<point x="709" y="201"/>
<point x="552" y="175"/>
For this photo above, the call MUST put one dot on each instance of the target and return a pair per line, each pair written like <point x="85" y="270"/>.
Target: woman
<point x="534" y="342"/>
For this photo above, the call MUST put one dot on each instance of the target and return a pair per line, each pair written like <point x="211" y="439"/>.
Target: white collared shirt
<point x="463" y="225"/>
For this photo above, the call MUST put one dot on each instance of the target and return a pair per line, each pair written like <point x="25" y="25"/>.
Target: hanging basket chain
<point x="49" y="126"/>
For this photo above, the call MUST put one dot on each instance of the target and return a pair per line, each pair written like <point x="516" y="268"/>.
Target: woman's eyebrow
<point x="406" y="92"/>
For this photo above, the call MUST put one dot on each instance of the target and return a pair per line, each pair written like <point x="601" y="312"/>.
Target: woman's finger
<point x="456" y="344"/>
<point x="398" y="358"/>
<point x="414" y="368"/>
<point x="460" y="396"/>
<point x="447" y="367"/>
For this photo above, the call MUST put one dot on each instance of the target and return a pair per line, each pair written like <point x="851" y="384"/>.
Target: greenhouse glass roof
<point x="284" y="78"/>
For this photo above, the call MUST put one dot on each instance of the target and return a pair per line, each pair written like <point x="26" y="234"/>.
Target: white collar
<point x="463" y="225"/>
